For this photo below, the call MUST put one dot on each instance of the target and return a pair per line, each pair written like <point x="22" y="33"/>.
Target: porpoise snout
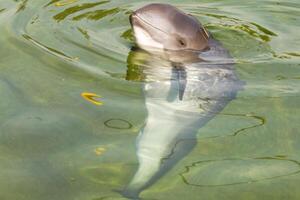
<point x="135" y="19"/>
<point x="131" y="18"/>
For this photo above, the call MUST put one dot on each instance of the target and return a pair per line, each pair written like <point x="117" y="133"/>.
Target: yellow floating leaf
<point x="91" y="98"/>
<point x="100" y="150"/>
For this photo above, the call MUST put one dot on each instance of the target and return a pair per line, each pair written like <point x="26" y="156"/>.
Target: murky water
<point x="69" y="118"/>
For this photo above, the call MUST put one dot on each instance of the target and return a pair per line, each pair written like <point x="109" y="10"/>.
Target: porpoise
<point x="188" y="78"/>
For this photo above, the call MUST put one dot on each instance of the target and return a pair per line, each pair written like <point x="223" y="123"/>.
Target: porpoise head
<point x="164" y="27"/>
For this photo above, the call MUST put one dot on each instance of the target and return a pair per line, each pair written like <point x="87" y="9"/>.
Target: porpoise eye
<point x="182" y="42"/>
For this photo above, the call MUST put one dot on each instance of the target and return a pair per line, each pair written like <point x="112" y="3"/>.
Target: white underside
<point x="144" y="40"/>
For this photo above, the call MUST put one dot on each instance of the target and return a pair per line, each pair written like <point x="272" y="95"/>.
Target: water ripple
<point x="245" y="173"/>
<point x="49" y="49"/>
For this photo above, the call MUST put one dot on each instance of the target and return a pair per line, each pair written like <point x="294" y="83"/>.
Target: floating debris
<point x="99" y="151"/>
<point x="90" y="97"/>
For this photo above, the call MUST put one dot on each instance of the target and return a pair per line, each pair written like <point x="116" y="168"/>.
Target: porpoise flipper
<point x="178" y="83"/>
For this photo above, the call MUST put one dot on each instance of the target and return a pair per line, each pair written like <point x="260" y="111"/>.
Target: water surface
<point x="57" y="142"/>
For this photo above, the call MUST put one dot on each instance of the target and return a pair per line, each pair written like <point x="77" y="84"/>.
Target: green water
<point x="56" y="145"/>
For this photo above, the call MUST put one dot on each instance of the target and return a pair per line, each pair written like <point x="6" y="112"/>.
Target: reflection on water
<point x="75" y="9"/>
<point x="22" y="5"/>
<point x="96" y="15"/>
<point x="251" y="28"/>
<point x="64" y="3"/>
<point x="54" y="144"/>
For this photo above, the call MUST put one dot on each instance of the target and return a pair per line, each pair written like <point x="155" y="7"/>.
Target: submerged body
<point x="186" y="85"/>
